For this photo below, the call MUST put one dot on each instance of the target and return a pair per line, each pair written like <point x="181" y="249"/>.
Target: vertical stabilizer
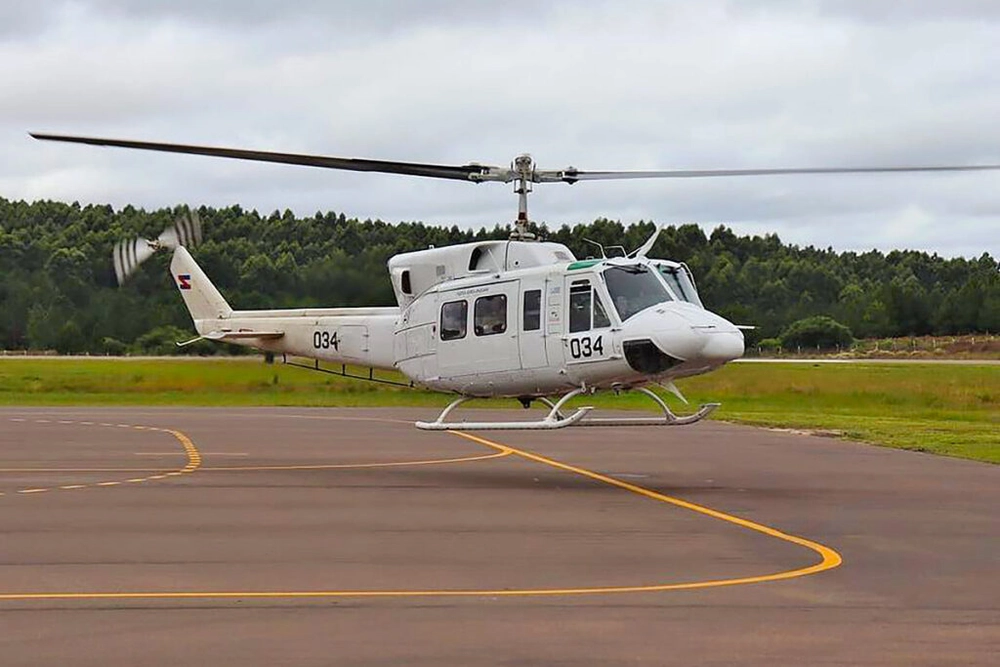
<point x="202" y="299"/>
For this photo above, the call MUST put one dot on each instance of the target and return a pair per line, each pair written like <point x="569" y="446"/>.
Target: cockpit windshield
<point x="633" y="288"/>
<point x="680" y="283"/>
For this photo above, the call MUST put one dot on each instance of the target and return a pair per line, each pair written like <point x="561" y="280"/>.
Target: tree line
<point x="58" y="290"/>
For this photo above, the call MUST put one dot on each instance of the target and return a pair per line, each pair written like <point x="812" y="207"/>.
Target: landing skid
<point x="581" y="417"/>
<point x="668" y="418"/>
<point x="553" y="420"/>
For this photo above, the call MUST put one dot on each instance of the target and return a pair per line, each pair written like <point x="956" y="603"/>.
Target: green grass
<point x="945" y="409"/>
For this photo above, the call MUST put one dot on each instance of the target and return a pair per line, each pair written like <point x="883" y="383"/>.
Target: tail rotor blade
<point x="189" y="229"/>
<point x="186" y="231"/>
<point x="128" y="255"/>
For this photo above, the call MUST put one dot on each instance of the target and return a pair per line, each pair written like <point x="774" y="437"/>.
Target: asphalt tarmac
<point x="338" y="537"/>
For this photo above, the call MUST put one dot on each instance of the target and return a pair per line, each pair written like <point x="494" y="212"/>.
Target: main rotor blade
<point x="468" y="172"/>
<point x="572" y="175"/>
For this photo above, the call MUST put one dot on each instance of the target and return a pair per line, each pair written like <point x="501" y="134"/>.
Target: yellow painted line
<point x="20" y="470"/>
<point x="829" y="559"/>
<point x="193" y="460"/>
<point x="349" y="466"/>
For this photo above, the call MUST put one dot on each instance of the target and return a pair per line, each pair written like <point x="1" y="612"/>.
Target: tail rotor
<point x="130" y="253"/>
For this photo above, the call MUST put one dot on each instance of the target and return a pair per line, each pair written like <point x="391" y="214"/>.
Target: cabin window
<point x="634" y="288"/>
<point x="579" y="306"/>
<point x="490" y="315"/>
<point x="533" y="310"/>
<point x="404" y="282"/>
<point x="454" y="318"/>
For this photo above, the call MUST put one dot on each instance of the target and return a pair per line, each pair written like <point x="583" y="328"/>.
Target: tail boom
<point x="362" y="336"/>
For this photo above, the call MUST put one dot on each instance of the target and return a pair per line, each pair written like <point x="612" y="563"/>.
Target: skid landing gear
<point x="555" y="419"/>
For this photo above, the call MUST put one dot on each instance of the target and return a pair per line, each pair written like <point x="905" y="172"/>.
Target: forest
<point x="58" y="290"/>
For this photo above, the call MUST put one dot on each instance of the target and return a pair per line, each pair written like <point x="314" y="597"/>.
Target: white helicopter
<point x="519" y="318"/>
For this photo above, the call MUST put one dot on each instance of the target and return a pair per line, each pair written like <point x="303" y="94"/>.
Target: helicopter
<point x="518" y="318"/>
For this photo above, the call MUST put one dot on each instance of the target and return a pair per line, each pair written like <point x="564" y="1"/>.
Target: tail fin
<point x="202" y="299"/>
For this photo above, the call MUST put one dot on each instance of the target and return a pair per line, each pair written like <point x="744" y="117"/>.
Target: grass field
<point x="945" y="409"/>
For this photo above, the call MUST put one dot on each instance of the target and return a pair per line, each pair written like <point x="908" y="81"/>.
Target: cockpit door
<point x="588" y="325"/>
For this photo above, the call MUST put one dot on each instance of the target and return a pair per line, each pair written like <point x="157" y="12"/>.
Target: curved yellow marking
<point x="829" y="559"/>
<point x="193" y="460"/>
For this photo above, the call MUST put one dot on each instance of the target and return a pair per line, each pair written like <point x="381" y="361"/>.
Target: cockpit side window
<point x="633" y="288"/>
<point x="579" y="306"/>
<point x="601" y="319"/>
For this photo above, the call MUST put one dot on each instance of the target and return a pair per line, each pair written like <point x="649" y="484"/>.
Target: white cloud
<point x="600" y="85"/>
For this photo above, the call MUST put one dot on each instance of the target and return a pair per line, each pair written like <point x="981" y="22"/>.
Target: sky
<point x="621" y="84"/>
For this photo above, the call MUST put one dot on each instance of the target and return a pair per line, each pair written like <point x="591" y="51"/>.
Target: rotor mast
<point x="523" y="171"/>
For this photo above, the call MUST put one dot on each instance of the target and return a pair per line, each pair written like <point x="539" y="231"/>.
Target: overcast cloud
<point x="599" y="85"/>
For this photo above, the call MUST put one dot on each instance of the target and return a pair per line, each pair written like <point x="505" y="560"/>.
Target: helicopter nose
<point x="670" y="331"/>
<point x="722" y="346"/>
<point x="690" y="334"/>
<point x="723" y="341"/>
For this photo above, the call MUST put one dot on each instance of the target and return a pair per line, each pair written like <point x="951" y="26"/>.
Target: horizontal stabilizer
<point x="237" y="335"/>
<point x="234" y="335"/>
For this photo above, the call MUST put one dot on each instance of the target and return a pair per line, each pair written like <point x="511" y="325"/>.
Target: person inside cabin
<point x="491" y="317"/>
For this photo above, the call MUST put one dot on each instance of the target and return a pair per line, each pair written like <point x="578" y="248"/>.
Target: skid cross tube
<point x="552" y="421"/>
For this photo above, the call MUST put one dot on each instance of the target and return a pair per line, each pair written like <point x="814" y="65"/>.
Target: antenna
<point x="603" y="255"/>
<point x="642" y="250"/>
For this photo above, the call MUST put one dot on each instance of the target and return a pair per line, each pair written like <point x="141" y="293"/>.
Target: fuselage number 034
<point x="324" y="340"/>
<point x="586" y="347"/>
